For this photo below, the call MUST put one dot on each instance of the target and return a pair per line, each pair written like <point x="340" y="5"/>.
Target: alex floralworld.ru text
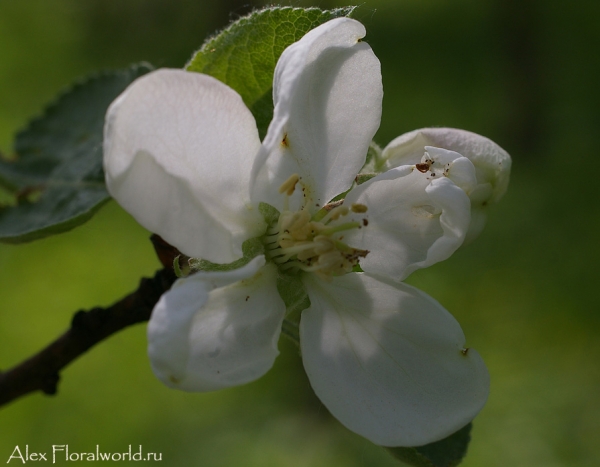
<point x="60" y="452"/>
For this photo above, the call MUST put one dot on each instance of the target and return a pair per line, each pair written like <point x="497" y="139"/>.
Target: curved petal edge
<point x="327" y="92"/>
<point x="389" y="362"/>
<point x="170" y="142"/>
<point x="217" y="330"/>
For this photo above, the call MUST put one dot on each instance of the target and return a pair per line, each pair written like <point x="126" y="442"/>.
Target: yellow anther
<point x="356" y="207"/>
<point x="289" y="185"/>
<point x="331" y="260"/>
<point x="323" y="244"/>
<point x="336" y="213"/>
<point x="299" y="220"/>
<point x="314" y="243"/>
<point x="306" y="255"/>
<point x="296" y="225"/>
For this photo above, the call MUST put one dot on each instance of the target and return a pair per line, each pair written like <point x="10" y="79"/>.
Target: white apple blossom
<point x="492" y="164"/>
<point x="182" y="154"/>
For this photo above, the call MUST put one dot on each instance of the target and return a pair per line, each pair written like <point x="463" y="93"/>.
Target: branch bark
<point x="41" y="372"/>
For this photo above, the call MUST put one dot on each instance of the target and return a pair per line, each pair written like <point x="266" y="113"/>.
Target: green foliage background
<point x="520" y="72"/>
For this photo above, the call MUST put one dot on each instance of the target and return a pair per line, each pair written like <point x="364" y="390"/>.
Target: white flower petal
<point x="389" y="362"/>
<point x="216" y="330"/>
<point x="178" y="150"/>
<point x="453" y="165"/>
<point x="414" y="221"/>
<point x="327" y="92"/>
<point x="491" y="162"/>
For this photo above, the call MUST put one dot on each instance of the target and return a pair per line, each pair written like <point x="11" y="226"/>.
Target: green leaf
<point x="56" y="173"/>
<point x="244" y="55"/>
<point x="448" y="452"/>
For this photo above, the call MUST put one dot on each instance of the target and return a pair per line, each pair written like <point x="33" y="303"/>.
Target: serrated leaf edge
<point x="204" y="48"/>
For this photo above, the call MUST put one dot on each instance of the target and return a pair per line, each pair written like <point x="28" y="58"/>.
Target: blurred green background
<point x="522" y="72"/>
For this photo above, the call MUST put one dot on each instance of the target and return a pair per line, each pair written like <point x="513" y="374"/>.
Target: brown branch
<point x="41" y="372"/>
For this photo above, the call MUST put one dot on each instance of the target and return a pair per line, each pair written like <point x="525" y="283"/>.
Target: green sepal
<point x="250" y="249"/>
<point x="295" y="297"/>
<point x="340" y="197"/>
<point x="293" y="293"/>
<point x="291" y="330"/>
<point x="374" y="153"/>
<point x="448" y="452"/>
<point x="244" y="55"/>
<point x="374" y="161"/>
<point x="362" y="178"/>
<point x="56" y="174"/>
<point x="269" y="213"/>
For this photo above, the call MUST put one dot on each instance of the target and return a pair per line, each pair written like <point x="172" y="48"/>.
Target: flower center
<point x="313" y="243"/>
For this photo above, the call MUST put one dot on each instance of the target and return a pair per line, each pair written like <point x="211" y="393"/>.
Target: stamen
<point x="291" y="251"/>
<point x="295" y="222"/>
<point x="289" y="185"/>
<point x="339" y="212"/>
<point x="335" y="214"/>
<point x="321" y="213"/>
<point x="272" y="236"/>
<point x="340" y="228"/>
<point x="358" y="208"/>
<point x="290" y="265"/>
<point x="313" y="244"/>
